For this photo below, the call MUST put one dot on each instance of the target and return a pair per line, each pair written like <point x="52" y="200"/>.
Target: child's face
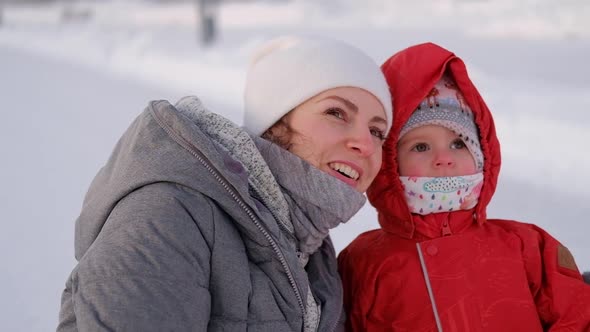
<point x="433" y="151"/>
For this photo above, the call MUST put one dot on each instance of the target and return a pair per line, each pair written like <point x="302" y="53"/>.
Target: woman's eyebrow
<point x="352" y="106"/>
<point x="379" y="120"/>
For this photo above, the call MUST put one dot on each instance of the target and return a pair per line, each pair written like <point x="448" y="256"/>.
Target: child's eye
<point x="420" y="147"/>
<point x="380" y="134"/>
<point x="336" y="112"/>
<point x="458" y="144"/>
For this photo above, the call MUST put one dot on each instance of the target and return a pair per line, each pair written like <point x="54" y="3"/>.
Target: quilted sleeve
<point x="148" y="270"/>
<point x="561" y="296"/>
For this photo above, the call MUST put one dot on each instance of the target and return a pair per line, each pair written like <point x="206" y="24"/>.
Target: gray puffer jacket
<point x="193" y="225"/>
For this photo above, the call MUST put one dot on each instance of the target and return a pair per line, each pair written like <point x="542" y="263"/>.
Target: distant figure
<point x="438" y="263"/>
<point x="207" y="16"/>
<point x="197" y="224"/>
<point x="74" y="13"/>
<point x="587" y="277"/>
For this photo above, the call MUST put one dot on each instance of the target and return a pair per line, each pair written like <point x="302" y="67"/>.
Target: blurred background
<point x="74" y="74"/>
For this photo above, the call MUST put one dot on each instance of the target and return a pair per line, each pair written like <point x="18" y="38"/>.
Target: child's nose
<point x="443" y="159"/>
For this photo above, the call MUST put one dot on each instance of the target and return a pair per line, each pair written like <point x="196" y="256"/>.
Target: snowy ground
<point x="69" y="89"/>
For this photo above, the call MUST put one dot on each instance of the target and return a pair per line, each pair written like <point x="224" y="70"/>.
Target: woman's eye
<point x="420" y="147"/>
<point x="458" y="144"/>
<point x="336" y="112"/>
<point x="380" y="134"/>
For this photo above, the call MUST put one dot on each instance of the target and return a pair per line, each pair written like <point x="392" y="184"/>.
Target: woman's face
<point x="341" y="132"/>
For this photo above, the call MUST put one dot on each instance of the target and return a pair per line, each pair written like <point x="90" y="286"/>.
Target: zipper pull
<point x="446" y="230"/>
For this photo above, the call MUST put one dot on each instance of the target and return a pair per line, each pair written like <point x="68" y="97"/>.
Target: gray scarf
<point x="305" y="201"/>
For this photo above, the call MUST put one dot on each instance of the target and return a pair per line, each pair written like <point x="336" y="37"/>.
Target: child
<point x="438" y="263"/>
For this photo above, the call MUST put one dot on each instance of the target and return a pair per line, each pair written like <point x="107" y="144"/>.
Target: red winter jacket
<point x="455" y="271"/>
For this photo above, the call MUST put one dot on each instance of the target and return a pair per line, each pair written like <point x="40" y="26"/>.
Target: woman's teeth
<point x="345" y="170"/>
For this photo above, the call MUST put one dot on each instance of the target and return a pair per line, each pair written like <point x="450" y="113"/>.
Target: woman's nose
<point x="362" y="141"/>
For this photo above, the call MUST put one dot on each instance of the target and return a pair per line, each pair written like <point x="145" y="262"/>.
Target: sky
<point x="70" y="87"/>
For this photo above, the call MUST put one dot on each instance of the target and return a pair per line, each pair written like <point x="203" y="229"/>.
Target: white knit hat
<point x="290" y="70"/>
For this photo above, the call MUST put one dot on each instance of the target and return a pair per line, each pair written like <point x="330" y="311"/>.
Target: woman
<point x="196" y="224"/>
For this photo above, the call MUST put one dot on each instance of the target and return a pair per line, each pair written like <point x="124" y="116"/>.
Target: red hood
<point x="411" y="73"/>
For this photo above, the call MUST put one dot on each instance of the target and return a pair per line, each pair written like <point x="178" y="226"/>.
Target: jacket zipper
<point x="224" y="183"/>
<point x="446" y="229"/>
<point x="429" y="288"/>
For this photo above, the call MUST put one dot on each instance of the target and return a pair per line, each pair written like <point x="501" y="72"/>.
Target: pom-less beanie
<point x="290" y="70"/>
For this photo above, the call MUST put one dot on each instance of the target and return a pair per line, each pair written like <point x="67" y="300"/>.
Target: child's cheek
<point x="417" y="170"/>
<point x="412" y="167"/>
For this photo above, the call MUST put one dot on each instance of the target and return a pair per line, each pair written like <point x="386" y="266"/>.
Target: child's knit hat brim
<point x="445" y="106"/>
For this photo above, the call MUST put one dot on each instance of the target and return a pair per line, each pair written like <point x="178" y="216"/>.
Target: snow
<point x="70" y="88"/>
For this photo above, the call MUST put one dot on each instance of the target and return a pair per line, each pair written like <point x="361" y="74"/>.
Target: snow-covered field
<point x="70" y="88"/>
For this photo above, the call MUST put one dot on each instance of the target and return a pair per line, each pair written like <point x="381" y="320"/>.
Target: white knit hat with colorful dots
<point x="445" y="106"/>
